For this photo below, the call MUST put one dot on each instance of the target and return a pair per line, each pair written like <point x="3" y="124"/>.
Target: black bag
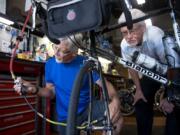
<point x="65" y="17"/>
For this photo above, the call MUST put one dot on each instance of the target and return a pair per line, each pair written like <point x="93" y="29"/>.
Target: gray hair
<point x="136" y="13"/>
<point x="73" y="41"/>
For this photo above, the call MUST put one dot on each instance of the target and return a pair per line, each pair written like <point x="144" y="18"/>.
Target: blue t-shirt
<point x="62" y="76"/>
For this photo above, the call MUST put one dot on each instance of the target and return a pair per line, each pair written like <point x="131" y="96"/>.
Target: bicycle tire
<point x="73" y="104"/>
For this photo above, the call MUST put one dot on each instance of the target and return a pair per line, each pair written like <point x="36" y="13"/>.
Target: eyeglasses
<point x="56" y="48"/>
<point x="134" y="31"/>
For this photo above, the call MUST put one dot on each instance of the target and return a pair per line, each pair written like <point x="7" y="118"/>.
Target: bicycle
<point x="97" y="66"/>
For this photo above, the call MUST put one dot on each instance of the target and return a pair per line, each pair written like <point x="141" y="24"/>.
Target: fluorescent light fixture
<point x="140" y="2"/>
<point x="148" y="22"/>
<point x="6" y="21"/>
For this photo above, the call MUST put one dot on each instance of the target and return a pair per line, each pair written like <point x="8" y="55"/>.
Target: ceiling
<point x="15" y="9"/>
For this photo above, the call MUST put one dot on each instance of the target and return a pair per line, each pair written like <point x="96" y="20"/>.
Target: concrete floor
<point x="130" y="126"/>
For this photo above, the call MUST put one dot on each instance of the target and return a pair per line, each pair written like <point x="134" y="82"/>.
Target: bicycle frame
<point x="142" y="70"/>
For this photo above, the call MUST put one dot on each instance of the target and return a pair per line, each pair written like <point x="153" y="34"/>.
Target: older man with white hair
<point x="146" y="41"/>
